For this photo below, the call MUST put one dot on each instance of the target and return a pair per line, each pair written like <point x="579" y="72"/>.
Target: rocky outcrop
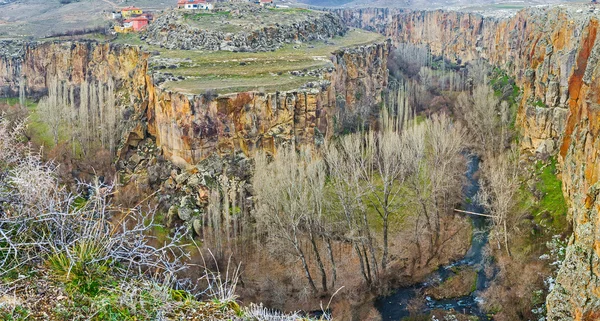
<point x="171" y="30"/>
<point x="553" y="55"/>
<point x="189" y="128"/>
<point x="544" y="127"/>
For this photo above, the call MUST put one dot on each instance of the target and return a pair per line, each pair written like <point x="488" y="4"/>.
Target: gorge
<point x="551" y="52"/>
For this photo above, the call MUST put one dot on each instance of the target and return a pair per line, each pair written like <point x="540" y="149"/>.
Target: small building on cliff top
<point x="194" y="4"/>
<point x="131" y="12"/>
<point x="138" y="23"/>
<point x="134" y="24"/>
<point x="264" y="2"/>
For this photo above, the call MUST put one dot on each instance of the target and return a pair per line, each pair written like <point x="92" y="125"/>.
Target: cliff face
<point x="553" y="55"/>
<point x="189" y="127"/>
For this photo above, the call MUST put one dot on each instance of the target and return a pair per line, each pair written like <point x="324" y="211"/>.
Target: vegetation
<point x="93" y="260"/>
<point x="248" y="17"/>
<point x="229" y="72"/>
<point x="462" y="283"/>
<point x="552" y="207"/>
<point x="87" y="115"/>
<point x="525" y="199"/>
<point x="384" y="172"/>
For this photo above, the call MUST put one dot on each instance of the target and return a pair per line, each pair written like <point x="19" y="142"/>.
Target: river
<point x="395" y="306"/>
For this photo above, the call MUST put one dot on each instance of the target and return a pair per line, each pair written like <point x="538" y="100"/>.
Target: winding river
<point x="395" y="306"/>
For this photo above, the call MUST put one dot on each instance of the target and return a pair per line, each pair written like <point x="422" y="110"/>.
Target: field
<point x="244" y="17"/>
<point x="227" y="71"/>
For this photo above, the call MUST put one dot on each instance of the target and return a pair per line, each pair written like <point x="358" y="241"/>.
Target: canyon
<point x="552" y="53"/>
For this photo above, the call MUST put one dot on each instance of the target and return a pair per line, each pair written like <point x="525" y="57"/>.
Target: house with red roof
<point x="136" y="23"/>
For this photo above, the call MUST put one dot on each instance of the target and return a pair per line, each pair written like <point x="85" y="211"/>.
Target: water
<point x="395" y="306"/>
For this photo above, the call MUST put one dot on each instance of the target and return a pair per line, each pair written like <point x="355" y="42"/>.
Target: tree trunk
<point x="332" y="260"/>
<point x="385" y="241"/>
<point x="506" y="238"/>
<point x="304" y="263"/>
<point x="319" y="261"/>
<point x="370" y="245"/>
<point x="362" y="264"/>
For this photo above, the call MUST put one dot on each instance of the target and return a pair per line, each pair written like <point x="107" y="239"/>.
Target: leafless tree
<point x="478" y="71"/>
<point x="482" y="117"/>
<point x="289" y="197"/>
<point x="387" y="169"/>
<point x="499" y="190"/>
<point x="438" y="175"/>
<point x="346" y="167"/>
<point x="408" y="59"/>
<point x="40" y="219"/>
<point x="94" y="122"/>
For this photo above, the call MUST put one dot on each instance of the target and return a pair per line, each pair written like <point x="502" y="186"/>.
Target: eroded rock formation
<point x="188" y="127"/>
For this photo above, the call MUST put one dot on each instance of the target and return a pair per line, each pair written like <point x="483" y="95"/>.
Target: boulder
<point x="197" y="226"/>
<point x="184" y="213"/>
<point x="171" y="216"/>
<point x="182" y="178"/>
<point x="194" y="180"/>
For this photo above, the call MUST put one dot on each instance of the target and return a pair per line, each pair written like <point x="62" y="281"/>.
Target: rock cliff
<point x="189" y="127"/>
<point x="553" y="55"/>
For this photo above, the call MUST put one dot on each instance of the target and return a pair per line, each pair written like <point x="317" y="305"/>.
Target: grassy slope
<point x="235" y="71"/>
<point x="229" y="21"/>
<point x="40" y="18"/>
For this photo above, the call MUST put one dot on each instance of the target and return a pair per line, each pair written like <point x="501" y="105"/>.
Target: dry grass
<point x="241" y="71"/>
<point x="233" y="85"/>
<point x="248" y="17"/>
<point x="41" y="18"/>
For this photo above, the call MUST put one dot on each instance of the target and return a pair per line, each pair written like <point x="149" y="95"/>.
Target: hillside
<point x="241" y="27"/>
<point x="245" y="48"/>
<point x="40" y="18"/>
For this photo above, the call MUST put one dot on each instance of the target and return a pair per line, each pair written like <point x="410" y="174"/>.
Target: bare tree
<point x="498" y="193"/>
<point x="482" y="117"/>
<point x="289" y="197"/>
<point x="40" y="220"/>
<point x="438" y="175"/>
<point x="478" y="71"/>
<point x="346" y="166"/>
<point x="385" y="175"/>
<point x="94" y="122"/>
